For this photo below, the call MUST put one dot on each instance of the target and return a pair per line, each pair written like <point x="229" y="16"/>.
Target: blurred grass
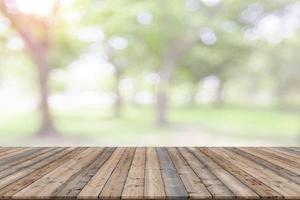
<point x="96" y="123"/>
<point x="242" y="121"/>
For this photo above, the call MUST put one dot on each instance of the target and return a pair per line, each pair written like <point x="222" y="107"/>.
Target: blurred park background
<point x="137" y="72"/>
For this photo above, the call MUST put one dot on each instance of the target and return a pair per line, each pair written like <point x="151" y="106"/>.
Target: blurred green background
<point x="135" y="72"/>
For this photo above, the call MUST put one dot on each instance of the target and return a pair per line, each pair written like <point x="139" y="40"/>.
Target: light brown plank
<point x="15" y="173"/>
<point x="96" y="184"/>
<point x="212" y="183"/>
<point x="72" y="188"/>
<point x="277" y="160"/>
<point x="283" y="154"/>
<point x="11" y="151"/>
<point x="134" y="185"/>
<point x="19" y="155"/>
<point x="285" y="187"/>
<point x="269" y="165"/>
<point x="9" y="155"/>
<point x="22" y="157"/>
<point x="256" y="185"/>
<point x="296" y="150"/>
<point x="237" y="187"/>
<point x="289" y="150"/>
<point x="42" y="168"/>
<point x="154" y="186"/>
<point x="115" y="184"/>
<point x="45" y="186"/>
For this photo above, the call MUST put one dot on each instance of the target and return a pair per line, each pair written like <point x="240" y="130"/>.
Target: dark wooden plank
<point x="115" y="184"/>
<point x="134" y="185"/>
<point x="174" y="186"/>
<point x="76" y="183"/>
<point x="93" y="188"/>
<point x="154" y="186"/>
<point x="45" y="186"/>
<point x="237" y="187"/>
<point x="256" y="185"/>
<point x="41" y="169"/>
<point x="194" y="186"/>
<point x="212" y="183"/>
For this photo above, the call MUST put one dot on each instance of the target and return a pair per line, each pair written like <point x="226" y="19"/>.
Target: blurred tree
<point x="36" y="33"/>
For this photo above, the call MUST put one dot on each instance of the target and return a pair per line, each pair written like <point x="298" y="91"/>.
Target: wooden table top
<point x="150" y="173"/>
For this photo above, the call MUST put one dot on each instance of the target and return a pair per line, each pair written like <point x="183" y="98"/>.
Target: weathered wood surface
<point x="150" y="173"/>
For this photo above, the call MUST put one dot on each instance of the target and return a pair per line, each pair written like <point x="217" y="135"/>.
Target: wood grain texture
<point x="134" y="185"/>
<point x="150" y="173"/>
<point x="194" y="186"/>
<point x="212" y="183"/>
<point x="93" y="188"/>
<point x="174" y="186"/>
<point x="154" y="186"/>
<point x="231" y="182"/>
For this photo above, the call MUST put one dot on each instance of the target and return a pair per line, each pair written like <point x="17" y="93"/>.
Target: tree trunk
<point x="161" y="104"/>
<point x="169" y="61"/>
<point x="219" y="98"/>
<point x="118" y="104"/>
<point x="162" y="92"/>
<point x="43" y="67"/>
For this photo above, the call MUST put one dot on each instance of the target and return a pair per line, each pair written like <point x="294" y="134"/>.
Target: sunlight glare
<point x="41" y="8"/>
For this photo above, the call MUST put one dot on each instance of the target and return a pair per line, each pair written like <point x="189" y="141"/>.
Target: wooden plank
<point x="13" y="174"/>
<point x="174" y="186"/>
<point x="134" y="185"/>
<point x="194" y="186"/>
<point x="115" y="184"/>
<point x="11" y="151"/>
<point x="151" y="173"/>
<point x="154" y="186"/>
<point x="45" y="186"/>
<point x="75" y="185"/>
<point x="295" y="149"/>
<point x="19" y="155"/>
<point x="284" y="163"/>
<point x="5" y="149"/>
<point x="283" y="154"/>
<point x="39" y="170"/>
<point x="237" y="187"/>
<point x="256" y="185"/>
<point x="212" y="183"/>
<point x="22" y="157"/>
<point x="277" y="169"/>
<point x="285" y="187"/>
<point x="93" y="188"/>
<point x="7" y="169"/>
<point x="289" y="150"/>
